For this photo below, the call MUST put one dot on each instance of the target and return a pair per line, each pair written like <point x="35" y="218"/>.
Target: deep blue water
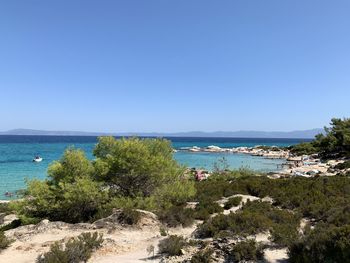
<point x="17" y="152"/>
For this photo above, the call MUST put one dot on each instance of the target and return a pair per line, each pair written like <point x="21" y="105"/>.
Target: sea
<point x="17" y="153"/>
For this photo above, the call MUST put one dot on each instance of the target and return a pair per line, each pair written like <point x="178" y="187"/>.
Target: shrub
<point x="4" y="241"/>
<point x="135" y="166"/>
<point x="163" y="231"/>
<point x="14" y="224"/>
<point x="323" y="244"/>
<point x="150" y="250"/>
<point x="201" y="214"/>
<point x="284" y="234"/>
<point x="177" y="215"/>
<point x="134" y="173"/>
<point x="174" y="193"/>
<point x="303" y="148"/>
<point x="210" y="206"/>
<point x="247" y="250"/>
<point x="172" y="246"/>
<point x="253" y="218"/>
<point x="129" y="216"/>
<point x="122" y="202"/>
<point x="70" y="195"/>
<point x="75" y="250"/>
<point x="4" y="208"/>
<point x="233" y="201"/>
<point x="285" y="226"/>
<point x="335" y="142"/>
<point x="213" y="226"/>
<point x="203" y="256"/>
<point x="342" y="166"/>
<point x="22" y="221"/>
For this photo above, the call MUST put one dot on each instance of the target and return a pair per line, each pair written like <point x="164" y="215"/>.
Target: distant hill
<point x="56" y="133"/>
<point x="304" y="134"/>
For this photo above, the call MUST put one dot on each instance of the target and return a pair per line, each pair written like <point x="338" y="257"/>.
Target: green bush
<point x="22" y="221"/>
<point x="253" y="218"/>
<point x="75" y="250"/>
<point x="4" y="208"/>
<point x="201" y="214"/>
<point x="163" y="231"/>
<point x="70" y="195"/>
<point x="323" y="244"/>
<point x="129" y="216"/>
<point x="127" y="173"/>
<point x="245" y="251"/>
<point x="134" y="166"/>
<point x="335" y="142"/>
<point x="233" y="201"/>
<point x="122" y="202"/>
<point x="284" y="235"/>
<point x="344" y="165"/>
<point x="172" y="246"/>
<point x="268" y="148"/>
<point x="305" y="148"/>
<point x="210" y="206"/>
<point x="177" y="215"/>
<point x="203" y="256"/>
<point x="4" y="241"/>
<point x="239" y="223"/>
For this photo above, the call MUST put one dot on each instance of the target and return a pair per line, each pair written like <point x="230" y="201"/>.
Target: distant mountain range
<point x="304" y="134"/>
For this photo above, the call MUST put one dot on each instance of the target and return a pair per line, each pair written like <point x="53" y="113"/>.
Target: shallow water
<point x="17" y="152"/>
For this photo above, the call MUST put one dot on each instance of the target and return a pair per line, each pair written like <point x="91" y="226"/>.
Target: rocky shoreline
<point x="272" y="152"/>
<point x="305" y="165"/>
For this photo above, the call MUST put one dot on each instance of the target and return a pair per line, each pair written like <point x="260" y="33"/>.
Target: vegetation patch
<point x="323" y="244"/>
<point x="233" y="201"/>
<point x="342" y="166"/>
<point x="172" y="245"/>
<point x="4" y="241"/>
<point x="254" y="217"/>
<point x="334" y="143"/>
<point x="177" y="215"/>
<point x="248" y="250"/>
<point x="203" y="256"/>
<point x="4" y="208"/>
<point x="76" y="250"/>
<point x="126" y="173"/>
<point x="129" y="216"/>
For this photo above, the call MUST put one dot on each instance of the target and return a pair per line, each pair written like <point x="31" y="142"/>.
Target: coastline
<point x="269" y="152"/>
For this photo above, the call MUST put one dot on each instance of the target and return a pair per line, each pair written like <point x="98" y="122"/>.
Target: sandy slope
<point x="122" y="243"/>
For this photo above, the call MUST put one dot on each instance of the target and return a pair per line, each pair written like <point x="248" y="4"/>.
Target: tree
<point x="70" y="194"/>
<point x="136" y="172"/>
<point x="335" y="142"/>
<point x="72" y="165"/>
<point x="134" y="167"/>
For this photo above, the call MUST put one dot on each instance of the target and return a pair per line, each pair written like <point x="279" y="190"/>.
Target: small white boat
<point x="37" y="159"/>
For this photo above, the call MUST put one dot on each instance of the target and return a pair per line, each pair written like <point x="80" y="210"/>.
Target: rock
<point x="148" y="219"/>
<point x="267" y="199"/>
<point x="45" y="222"/>
<point x="7" y="219"/>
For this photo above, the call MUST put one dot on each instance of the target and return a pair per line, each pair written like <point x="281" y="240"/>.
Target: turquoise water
<point x="17" y="152"/>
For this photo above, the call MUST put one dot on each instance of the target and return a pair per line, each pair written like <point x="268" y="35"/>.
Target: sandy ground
<point x="233" y="209"/>
<point x="276" y="255"/>
<point x="33" y="240"/>
<point x="122" y="244"/>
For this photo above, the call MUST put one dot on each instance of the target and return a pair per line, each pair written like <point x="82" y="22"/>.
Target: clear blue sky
<point x="173" y="65"/>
